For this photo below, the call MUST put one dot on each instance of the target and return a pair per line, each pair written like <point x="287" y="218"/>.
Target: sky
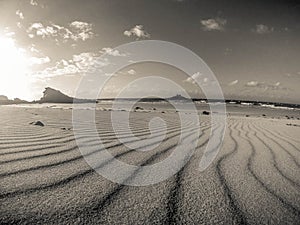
<point x="252" y="47"/>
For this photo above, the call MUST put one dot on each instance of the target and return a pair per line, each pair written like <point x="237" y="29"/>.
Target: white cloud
<point x="20" y="14"/>
<point x="77" y="31"/>
<point x="194" y="77"/>
<point x="137" y="31"/>
<point x="216" y="24"/>
<point x="19" y="25"/>
<point x="33" y="49"/>
<point x="86" y="62"/>
<point x="131" y="72"/>
<point x="9" y="33"/>
<point x="82" y="30"/>
<point x="252" y="83"/>
<point x="38" y="29"/>
<point x="263" y="29"/>
<point x="33" y="2"/>
<point x="39" y="61"/>
<point x="264" y="85"/>
<point x="112" y="52"/>
<point x="233" y="82"/>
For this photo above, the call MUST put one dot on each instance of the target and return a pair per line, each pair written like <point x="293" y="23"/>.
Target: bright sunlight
<point x="13" y="70"/>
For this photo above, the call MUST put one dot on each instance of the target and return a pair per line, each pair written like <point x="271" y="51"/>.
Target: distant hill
<point x="4" y="100"/>
<point x="178" y="97"/>
<point x="51" y="95"/>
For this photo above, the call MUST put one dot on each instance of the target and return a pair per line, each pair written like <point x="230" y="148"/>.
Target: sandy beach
<point x="255" y="178"/>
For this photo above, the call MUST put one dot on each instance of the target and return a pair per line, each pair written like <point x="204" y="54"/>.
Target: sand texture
<point x="255" y="178"/>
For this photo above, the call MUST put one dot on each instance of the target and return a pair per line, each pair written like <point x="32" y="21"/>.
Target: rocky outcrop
<point x="54" y="96"/>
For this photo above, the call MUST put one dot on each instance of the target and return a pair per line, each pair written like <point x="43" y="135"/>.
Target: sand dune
<point x="255" y="178"/>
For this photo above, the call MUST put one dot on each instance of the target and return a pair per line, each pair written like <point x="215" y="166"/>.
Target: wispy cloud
<point x="52" y="30"/>
<point x="33" y="2"/>
<point x="217" y="24"/>
<point x="77" y="31"/>
<point x="131" y="72"/>
<point x="233" y="82"/>
<point x="252" y="84"/>
<point x="85" y="62"/>
<point x="197" y="78"/>
<point x="83" y="30"/>
<point x="20" y="14"/>
<point x="263" y="29"/>
<point x="39" y="61"/>
<point x="264" y="85"/>
<point x="112" y="52"/>
<point x="192" y="79"/>
<point x="137" y="31"/>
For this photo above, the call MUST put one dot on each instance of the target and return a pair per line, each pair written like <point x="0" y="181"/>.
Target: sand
<point x="255" y="178"/>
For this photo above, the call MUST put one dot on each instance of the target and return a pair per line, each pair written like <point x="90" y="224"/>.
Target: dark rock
<point x="52" y="95"/>
<point x="38" y="123"/>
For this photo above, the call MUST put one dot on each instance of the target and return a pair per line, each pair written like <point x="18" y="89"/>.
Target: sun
<point x="14" y="80"/>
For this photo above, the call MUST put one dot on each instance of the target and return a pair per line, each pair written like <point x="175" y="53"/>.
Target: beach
<point x="255" y="178"/>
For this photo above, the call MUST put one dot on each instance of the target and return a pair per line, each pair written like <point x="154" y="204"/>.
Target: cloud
<point x="264" y="85"/>
<point x="233" y="82"/>
<point x="112" y="52"/>
<point x="197" y="78"/>
<point x="77" y="31"/>
<point x="33" y="49"/>
<point x="252" y="84"/>
<point x="85" y="62"/>
<point x="20" y="14"/>
<point x="263" y="29"/>
<point x="83" y="30"/>
<point x="216" y="24"/>
<point x="19" y="25"/>
<point x="39" y="61"/>
<point x="33" y="2"/>
<point x="192" y="79"/>
<point x="137" y="31"/>
<point x="88" y="62"/>
<point x="131" y="72"/>
<point x="53" y="30"/>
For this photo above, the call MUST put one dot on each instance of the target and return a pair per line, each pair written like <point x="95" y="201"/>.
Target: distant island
<point x="51" y="95"/>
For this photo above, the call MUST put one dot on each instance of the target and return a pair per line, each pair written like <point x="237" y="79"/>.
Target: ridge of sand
<point x="255" y="179"/>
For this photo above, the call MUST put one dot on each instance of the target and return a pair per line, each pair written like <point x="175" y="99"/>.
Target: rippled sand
<point x="255" y="178"/>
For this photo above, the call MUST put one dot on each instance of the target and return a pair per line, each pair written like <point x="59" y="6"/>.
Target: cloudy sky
<point x="251" y="46"/>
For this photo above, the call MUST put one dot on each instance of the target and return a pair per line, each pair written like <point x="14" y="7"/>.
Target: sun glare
<point x="13" y="70"/>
